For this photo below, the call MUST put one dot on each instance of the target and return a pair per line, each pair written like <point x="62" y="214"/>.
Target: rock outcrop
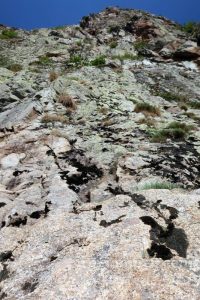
<point x="100" y="160"/>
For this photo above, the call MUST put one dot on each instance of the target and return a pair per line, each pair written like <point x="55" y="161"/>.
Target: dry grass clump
<point x="147" y="109"/>
<point x="53" y="76"/>
<point x="67" y="101"/>
<point x="15" y="67"/>
<point x="148" y="121"/>
<point x="107" y="122"/>
<point x="104" y="110"/>
<point x="47" y="118"/>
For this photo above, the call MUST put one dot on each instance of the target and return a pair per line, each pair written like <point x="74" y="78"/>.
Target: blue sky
<point x="31" y="14"/>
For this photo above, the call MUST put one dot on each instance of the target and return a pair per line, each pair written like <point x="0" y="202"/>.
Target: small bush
<point x="184" y="107"/>
<point x="140" y="45"/>
<point x="195" y="104"/>
<point x="67" y="101"/>
<point x="171" y="96"/>
<point x="10" y="65"/>
<point x="189" y="27"/>
<point x="45" y="61"/>
<point x="114" y="29"/>
<point x="47" y="118"/>
<point x="61" y="27"/>
<point x="15" y="67"/>
<point x="113" y="44"/>
<point x="127" y="56"/>
<point x="192" y="116"/>
<point x="178" y="125"/>
<point x="79" y="43"/>
<point x="98" y="61"/>
<point x="147" y="108"/>
<point x="53" y="76"/>
<point x="8" y="34"/>
<point x="4" y="62"/>
<point x="174" y="131"/>
<point x="77" y="61"/>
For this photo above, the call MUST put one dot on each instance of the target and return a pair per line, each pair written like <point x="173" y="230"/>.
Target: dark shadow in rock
<point x="13" y="183"/>
<point x="39" y="213"/>
<point x="178" y="241"/>
<point x="159" y="251"/>
<point x="2" y="204"/>
<point x="5" y="256"/>
<point x="29" y="287"/>
<point x="52" y="258"/>
<point x="171" y="164"/>
<point x="97" y="208"/>
<point x="105" y="224"/>
<point x="16" y="222"/>
<point x="86" y="170"/>
<point x="140" y="200"/>
<point x="4" y="274"/>
<point x="3" y="295"/>
<point x="170" y="237"/>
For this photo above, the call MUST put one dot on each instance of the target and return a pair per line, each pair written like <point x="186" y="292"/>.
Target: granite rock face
<point x="100" y="160"/>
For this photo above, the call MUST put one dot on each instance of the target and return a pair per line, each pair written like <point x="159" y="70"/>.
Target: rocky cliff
<point x="100" y="160"/>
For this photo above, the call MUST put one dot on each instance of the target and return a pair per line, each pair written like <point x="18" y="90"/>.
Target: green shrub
<point x="174" y="131"/>
<point x="192" y="116"/>
<point x="10" y="65"/>
<point x="98" y="61"/>
<point x="45" y="60"/>
<point x="4" y="62"/>
<point x="114" y="29"/>
<point x="140" y="45"/>
<point x="79" y="43"/>
<point x="195" y="104"/>
<point x="178" y="125"/>
<point x="147" y="108"/>
<point x="113" y="44"/>
<point x="171" y="96"/>
<point x="127" y="56"/>
<point x="8" y="34"/>
<point x="76" y="59"/>
<point x="61" y="27"/>
<point x="189" y="27"/>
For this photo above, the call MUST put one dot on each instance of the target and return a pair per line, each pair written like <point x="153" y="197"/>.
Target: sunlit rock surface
<point x="100" y="160"/>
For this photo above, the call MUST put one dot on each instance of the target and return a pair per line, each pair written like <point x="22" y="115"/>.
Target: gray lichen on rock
<point x="100" y="160"/>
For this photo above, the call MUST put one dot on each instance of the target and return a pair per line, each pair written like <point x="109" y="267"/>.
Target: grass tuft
<point x="53" y="76"/>
<point x="47" y="118"/>
<point x="171" y="96"/>
<point x="195" y="104"/>
<point x="147" y="108"/>
<point x="45" y="60"/>
<point x="127" y="56"/>
<point x="99" y="61"/>
<point x="8" y="34"/>
<point x="159" y="186"/>
<point x="174" y="131"/>
<point x="67" y="101"/>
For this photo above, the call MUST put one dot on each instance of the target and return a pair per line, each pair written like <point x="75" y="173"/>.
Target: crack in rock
<point x="105" y="224"/>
